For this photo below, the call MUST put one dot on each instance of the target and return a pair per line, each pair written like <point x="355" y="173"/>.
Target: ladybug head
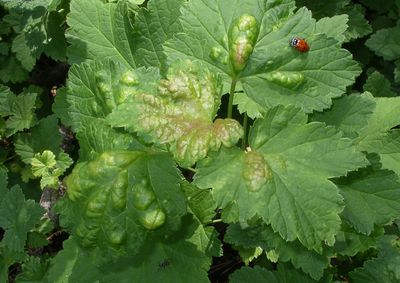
<point x="294" y="41"/>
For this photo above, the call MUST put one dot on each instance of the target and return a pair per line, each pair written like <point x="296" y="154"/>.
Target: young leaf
<point x="44" y="136"/>
<point x="384" y="268"/>
<point x="17" y="217"/>
<point x="99" y="30"/>
<point x="273" y="72"/>
<point x="284" y="178"/>
<point x="372" y="197"/>
<point x="118" y="199"/>
<point x="180" y="114"/>
<point x="386" y="43"/>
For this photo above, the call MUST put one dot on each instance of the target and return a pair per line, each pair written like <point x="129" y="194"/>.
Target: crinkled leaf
<point x="117" y="200"/>
<point x="180" y="113"/>
<point x="17" y="217"/>
<point x="97" y="138"/>
<point x="99" y="30"/>
<point x="95" y="89"/>
<point x="154" y="24"/>
<point x="349" y="113"/>
<point x="378" y="85"/>
<point x="384" y="268"/>
<point x="349" y="242"/>
<point x="284" y="178"/>
<point x="333" y="27"/>
<point x="372" y="197"/>
<point x="386" y="43"/>
<point x="263" y="236"/>
<point x="284" y="274"/>
<point x="44" y="136"/>
<point x="43" y="162"/>
<point x="274" y="72"/>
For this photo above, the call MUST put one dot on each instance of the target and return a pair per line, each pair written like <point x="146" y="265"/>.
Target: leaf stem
<point x="231" y="95"/>
<point x="244" y="139"/>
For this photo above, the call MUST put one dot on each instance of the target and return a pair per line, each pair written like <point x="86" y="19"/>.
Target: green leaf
<point x="171" y="261"/>
<point x="322" y="9"/>
<point x="349" y="113"/>
<point x="96" y="89"/>
<point x="378" y="85"/>
<point x="17" y="217"/>
<point x="19" y="110"/>
<point x="117" y="200"/>
<point x="203" y="207"/>
<point x="42" y="163"/>
<point x="100" y="30"/>
<point x="259" y="235"/>
<point x="97" y="138"/>
<point x="56" y="43"/>
<point x="283" y="176"/>
<point x="284" y="274"/>
<point x="11" y="69"/>
<point x="33" y="271"/>
<point x="397" y="72"/>
<point x="384" y="268"/>
<point x="155" y="24"/>
<point x="72" y="264"/>
<point x="372" y="198"/>
<point x="349" y="242"/>
<point x="60" y="107"/>
<point x="3" y="181"/>
<point x="385" y="116"/>
<point x="180" y="114"/>
<point x="358" y="25"/>
<point x="333" y="27"/>
<point x="44" y="136"/>
<point x="386" y="43"/>
<point x="246" y="104"/>
<point x="273" y="72"/>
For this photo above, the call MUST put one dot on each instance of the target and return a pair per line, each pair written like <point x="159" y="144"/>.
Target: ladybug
<point x="300" y="44"/>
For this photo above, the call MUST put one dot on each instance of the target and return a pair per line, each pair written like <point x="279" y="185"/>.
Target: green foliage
<point x="153" y="137"/>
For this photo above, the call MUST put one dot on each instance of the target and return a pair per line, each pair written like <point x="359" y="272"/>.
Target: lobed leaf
<point x="284" y="178"/>
<point x="385" y="43"/>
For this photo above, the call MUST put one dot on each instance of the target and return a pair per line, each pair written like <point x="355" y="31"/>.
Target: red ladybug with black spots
<point x="300" y="44"/>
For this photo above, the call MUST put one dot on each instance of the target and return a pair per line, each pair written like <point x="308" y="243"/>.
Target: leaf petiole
<point x="231" y="95"/>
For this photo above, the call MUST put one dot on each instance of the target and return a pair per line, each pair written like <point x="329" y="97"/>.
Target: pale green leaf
<point x="247" y="105"/>
<point x="384" y="268"/>
<point x="386" y="43"/>
<point x="274" y="73"/>
<point x="283" y="176"/>
<point x="43" y="163"/>
<point x="17" y="217"/>
<point x="99" y="30"/>
<point x="372" y="197"/>
<point x="180" y="113"/>
<point x="333" y="27"/>
<point x="378" y="85"/>
<point x="45" y="135"/>
<point x="349" y="113"/>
